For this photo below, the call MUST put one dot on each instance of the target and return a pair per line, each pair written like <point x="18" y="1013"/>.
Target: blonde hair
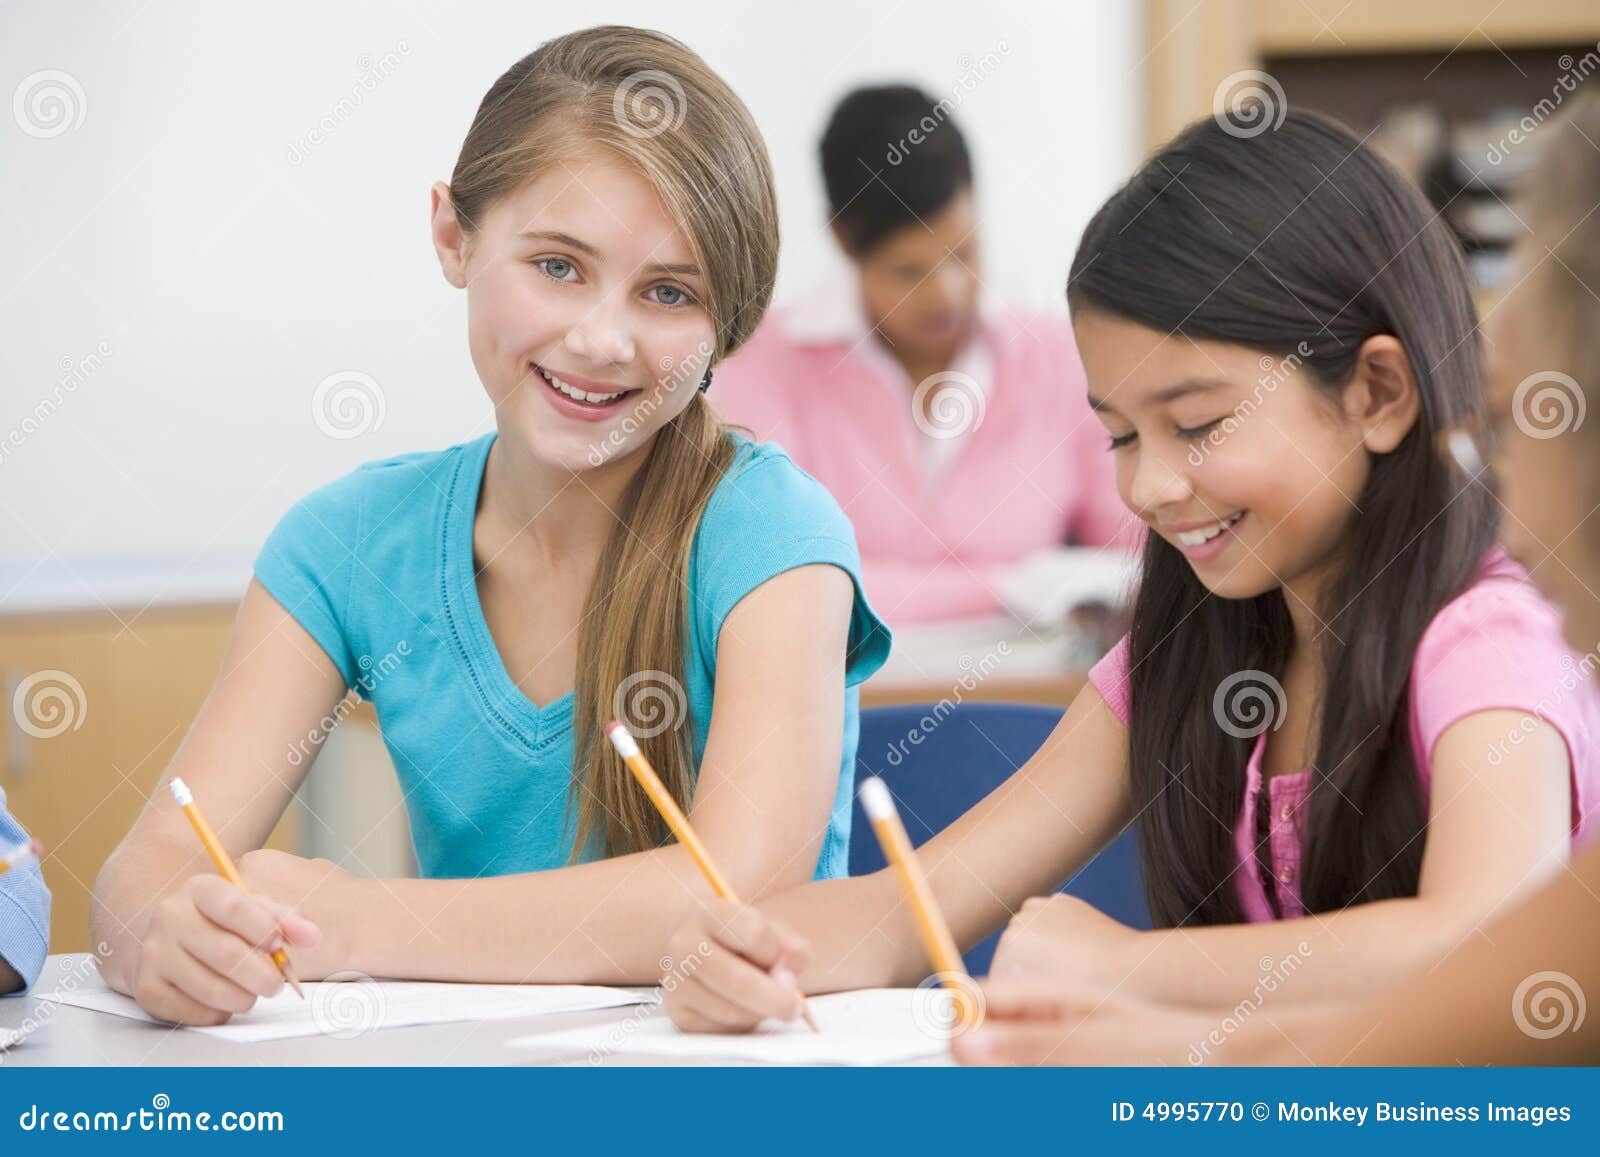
<point x="652" y="102"/>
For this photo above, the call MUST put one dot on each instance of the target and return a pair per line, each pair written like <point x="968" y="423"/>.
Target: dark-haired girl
<point x="952" y="427"/>
<point x="1514" y="995"/>
<point x="1344" y="724"/>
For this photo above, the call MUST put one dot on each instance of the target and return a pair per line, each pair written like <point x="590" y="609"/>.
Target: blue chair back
<point x="960" y="758"/>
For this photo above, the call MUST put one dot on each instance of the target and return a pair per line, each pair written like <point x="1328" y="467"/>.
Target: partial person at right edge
<point x="24" y="911"/>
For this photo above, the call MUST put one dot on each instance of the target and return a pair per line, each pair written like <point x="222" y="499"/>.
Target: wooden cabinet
<point x="1192" y="45"/>
<point x="95" y="706"/>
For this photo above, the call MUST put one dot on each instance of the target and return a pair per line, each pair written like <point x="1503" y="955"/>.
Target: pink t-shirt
<point x="1498" y="645"/>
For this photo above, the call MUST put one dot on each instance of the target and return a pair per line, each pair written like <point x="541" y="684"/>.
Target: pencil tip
<point x="805" y="1012"/>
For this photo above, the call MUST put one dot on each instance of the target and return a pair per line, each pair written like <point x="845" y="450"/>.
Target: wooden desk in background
<point x="1057" y="690"/>
<point x="112" y="693"/>
<point x="984" y="660"/>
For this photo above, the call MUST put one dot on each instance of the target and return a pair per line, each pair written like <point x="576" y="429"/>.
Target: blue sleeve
<point x="309" y="562"/>
<point x="766" y="517"/>
<point x="24" y="908"/>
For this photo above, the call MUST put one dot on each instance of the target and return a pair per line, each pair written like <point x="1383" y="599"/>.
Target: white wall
<point x="190" y="266"/>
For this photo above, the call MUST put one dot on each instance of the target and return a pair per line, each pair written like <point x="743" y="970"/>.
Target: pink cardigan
<point x="1033" y="473"/>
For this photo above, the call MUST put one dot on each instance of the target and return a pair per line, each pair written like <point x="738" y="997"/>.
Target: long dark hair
<point x="1269" y="238"/>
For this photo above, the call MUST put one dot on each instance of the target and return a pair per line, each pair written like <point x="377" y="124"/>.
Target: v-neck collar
<point x="536" y="726"/>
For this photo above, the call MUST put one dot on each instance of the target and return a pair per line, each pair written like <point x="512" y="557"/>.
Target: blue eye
<point x="677" y="296"/>
<point x="556" y="268"/>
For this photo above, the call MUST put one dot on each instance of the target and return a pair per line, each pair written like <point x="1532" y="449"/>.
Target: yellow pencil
<point x="219" y="856"/>
<point x="627" y="747"/>
<point x="21" y="855"/>
<point x="936" y="938"/>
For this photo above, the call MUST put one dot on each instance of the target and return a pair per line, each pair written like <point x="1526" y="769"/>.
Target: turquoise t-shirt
<point x="377" y="567"/>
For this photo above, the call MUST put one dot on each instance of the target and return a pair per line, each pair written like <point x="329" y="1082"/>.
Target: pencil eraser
<point x="622" y="739"/>
<point x="875" y="799"/>
<point x="180" y="791"/>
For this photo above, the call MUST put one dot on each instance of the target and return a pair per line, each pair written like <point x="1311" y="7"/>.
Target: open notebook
<point x="871" y="1026"/>
<point x="361" y="1005"/>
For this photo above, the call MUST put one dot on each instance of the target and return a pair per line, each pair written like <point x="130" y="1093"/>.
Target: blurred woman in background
<point x="933" y="413"/>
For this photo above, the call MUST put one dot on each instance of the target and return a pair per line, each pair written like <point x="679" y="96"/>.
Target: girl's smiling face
<point x="1235" y="457"/>
<point x="585" y="309"/>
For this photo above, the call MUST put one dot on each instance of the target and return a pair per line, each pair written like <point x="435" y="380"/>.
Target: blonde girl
<point x="608" y="549"/>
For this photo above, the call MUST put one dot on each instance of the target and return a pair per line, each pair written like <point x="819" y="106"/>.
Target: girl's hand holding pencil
<point x="756" y="976"/>
<point x="208" y="951"/>
<point x="742" y="958"/>
<point x="732" y="968"/>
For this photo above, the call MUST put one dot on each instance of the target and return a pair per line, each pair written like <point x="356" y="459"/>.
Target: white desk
<point x="66" y="1035"/>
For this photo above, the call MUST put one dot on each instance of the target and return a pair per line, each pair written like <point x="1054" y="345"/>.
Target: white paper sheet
<point x="356" y="1007"/>
<point x="871" y="1026"/>
<point x="1041" y="588"/>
